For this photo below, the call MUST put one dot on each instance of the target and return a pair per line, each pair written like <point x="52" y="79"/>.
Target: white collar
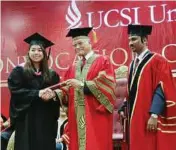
<point x="89" y="55"/>
<point x="141" y="56"/>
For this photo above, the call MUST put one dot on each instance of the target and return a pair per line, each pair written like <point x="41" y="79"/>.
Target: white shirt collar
<point x="89" y="55"/>
<point x="141" y="56"/>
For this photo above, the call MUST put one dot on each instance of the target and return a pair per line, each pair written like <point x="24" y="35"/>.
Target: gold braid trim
<point x="108" y="82"/>
<point x="168" y="118"/>
<point x="106" y="88"/>
<point x="167" y="131"/>
<point x="165" y="125"/>
<point x="100" y="96"/>
<point x="62" y="96"/>
<point x="103" y="73"/>
<point x="170" y="103"/>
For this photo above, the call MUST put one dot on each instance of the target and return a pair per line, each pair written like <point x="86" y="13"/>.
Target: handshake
<point x="47" y="94"/>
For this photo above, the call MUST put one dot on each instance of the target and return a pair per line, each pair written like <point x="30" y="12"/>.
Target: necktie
<point x="83" y="62"/>
<point x="135" y="65"/>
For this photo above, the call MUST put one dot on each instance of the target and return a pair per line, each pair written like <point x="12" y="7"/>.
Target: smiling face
<point x="36" y="53"/>
<point x="137" y="44"/>
<point x="82" y="46"/>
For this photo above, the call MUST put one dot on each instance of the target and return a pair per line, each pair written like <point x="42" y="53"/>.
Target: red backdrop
<point x="110" y="19"/>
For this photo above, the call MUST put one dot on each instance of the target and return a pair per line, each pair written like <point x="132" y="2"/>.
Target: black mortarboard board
<point x="38" y="39"/>
<point x="140" y="30"/>
<point x="79" y="32"/>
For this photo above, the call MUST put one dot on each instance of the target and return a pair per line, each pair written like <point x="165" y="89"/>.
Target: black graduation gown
<point x="35" y="121"/>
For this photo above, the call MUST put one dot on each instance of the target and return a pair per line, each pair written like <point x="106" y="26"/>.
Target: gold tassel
<point x="94" y="36"/>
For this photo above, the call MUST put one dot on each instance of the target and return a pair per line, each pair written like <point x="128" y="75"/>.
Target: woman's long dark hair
<point x="29" y="69"/>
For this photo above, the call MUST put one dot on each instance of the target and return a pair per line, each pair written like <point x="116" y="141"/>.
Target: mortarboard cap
<point x="79" y="32"/>
<point x="140" y="30"/>
<point x="36" y="38"/>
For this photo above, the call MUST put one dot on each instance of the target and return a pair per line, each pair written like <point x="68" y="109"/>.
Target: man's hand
<point x="46" y="94"/>
<point x="59" y="140"/>
<point x="74" y="83"/>
<point x="152" y="124"/>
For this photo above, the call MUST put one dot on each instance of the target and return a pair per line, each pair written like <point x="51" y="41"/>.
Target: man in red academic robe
<point x="152" y="96"/>
<point x="90" y="91"/>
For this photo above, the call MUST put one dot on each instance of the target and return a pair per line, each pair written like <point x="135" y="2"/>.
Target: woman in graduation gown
<point x="33" y="112"/>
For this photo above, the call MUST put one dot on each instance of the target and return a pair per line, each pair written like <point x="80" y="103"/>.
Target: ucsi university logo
<point x="157" y="14"/>
<point x="73" y="16"/>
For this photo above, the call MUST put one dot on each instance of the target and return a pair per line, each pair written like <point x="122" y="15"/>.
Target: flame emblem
<point x="73" y="16"/>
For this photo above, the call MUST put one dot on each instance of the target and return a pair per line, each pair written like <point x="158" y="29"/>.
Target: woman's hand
<point x="47" y="94"/>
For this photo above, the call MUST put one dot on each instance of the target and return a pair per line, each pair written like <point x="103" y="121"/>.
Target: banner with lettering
<point x="109" y="18"/>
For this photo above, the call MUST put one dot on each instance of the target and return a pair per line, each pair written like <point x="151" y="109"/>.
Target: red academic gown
<point x="90" y="116"/>
<point x="154" y="70"/>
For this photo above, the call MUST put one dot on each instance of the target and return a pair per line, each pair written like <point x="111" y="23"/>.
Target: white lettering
<point x="90" y="24"/>
<point x="112" y="58"/>
<point x="136" y="21"/>
<point x="58" y="57"/>
<point x="104" y="52"/>
<point x="11" y="63"/>
<point x="163" y="53"/>
<point x="106" y="18"/>
<point x="125" y="16"/>
<point x="1" y="65"/>
<point x="153" y="13"/>
<point x="170" y="12"/>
